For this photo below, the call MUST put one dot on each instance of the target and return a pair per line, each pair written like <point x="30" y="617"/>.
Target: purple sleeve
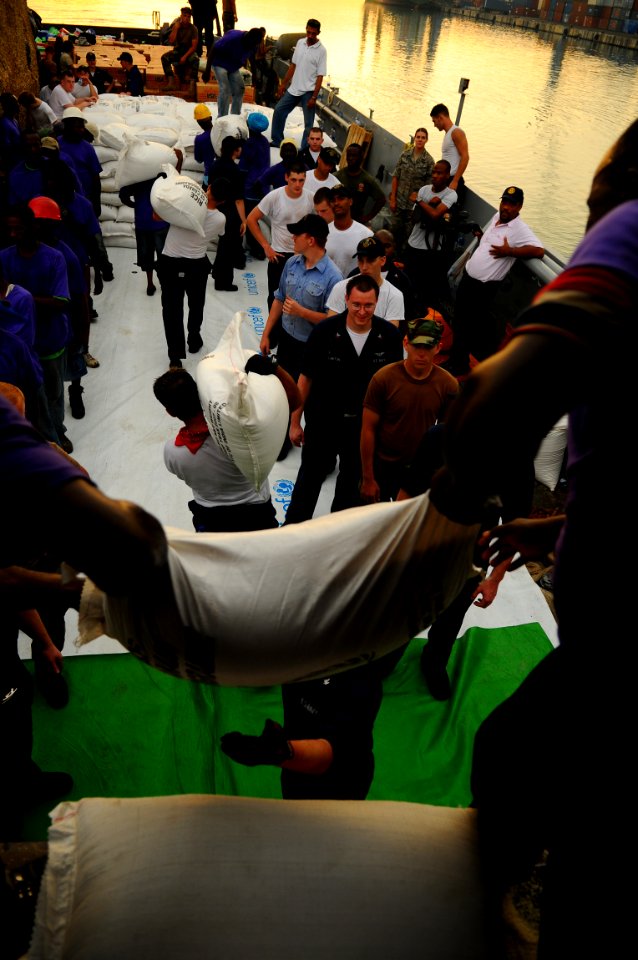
<point x="29" y="466"/>
<point x="612" y="243"/>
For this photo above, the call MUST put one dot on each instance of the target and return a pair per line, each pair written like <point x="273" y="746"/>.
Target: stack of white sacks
<point x="134" y="137"/>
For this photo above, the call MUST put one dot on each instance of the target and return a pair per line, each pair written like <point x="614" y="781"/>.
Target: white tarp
<point x="276" y="606"/>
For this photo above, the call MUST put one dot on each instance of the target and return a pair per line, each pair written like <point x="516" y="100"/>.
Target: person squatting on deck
<point x="184" y="38"/>
<point x="302" y="83"/>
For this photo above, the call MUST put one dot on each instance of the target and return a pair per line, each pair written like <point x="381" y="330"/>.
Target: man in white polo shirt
<point x="371" y="259"/>
<point x="506" y="238"/>
<point x="302" y="83"/>
<point x="282" y="206"/>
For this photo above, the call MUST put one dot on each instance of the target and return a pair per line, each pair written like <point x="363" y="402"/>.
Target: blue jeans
<point x="285" y="106"/>
<point x="230" y="85"/>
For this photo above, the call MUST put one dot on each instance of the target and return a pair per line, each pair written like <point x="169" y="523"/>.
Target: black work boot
<point x="75" y="399"/>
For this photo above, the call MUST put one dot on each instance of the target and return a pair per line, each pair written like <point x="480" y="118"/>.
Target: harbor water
<point x="539" y="111"/>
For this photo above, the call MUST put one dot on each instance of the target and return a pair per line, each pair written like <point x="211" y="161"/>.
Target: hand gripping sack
<point x="246" y="413"/>
<point x="179" y="200"/>
<point x="232" y="125"/>
<point x="142" y="160"/>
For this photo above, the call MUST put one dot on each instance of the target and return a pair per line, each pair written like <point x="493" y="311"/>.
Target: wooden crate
<point x="208" y="93"/>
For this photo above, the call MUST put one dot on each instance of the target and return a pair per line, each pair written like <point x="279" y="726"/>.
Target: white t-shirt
<point x="482" y="265"/>
<point x="417" y="237"/>
<point x="81" y="90"/>
<point x="43" y="116"/>
<point x="213" y="478"/>
<point x="342" y="245"/>
<point x="358" y="339"/>
<point x="389" y="305"/>
<point x="182" y="242"/>
<point x="282" y="210"/>
<point x="312" y="184"/>
<point x="311" y="61"/>
<point x="58" y="100"/>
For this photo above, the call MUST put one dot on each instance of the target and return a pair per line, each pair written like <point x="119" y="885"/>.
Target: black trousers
<point x="427" y="270"/>
<point x="324" y="441"/>
<point x="178" y="277"/>
<point x="236" y="518"/>
<point x="475" y="330"/>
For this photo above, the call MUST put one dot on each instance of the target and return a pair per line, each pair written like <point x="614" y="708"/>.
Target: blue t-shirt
<point x="254" y="162"/>
<point x="84" y="160"/>
<point x="18" y="364"/>
<point x="229" y="52"/>
<point x="25" y="183"/>
<point x="204" y="152"/>
<point x="22" y="309"/>
<point x="30" y="471"/>
<point x="138" y="196"/>
<point x="44" y="275"/>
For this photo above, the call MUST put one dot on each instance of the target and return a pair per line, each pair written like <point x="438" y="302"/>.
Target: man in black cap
<point x="506" y="238"/>
<point x="341" y="356"/>
<point x="371" y="259"/>
<point x="322" y="173"/>
<point x="101" y="79"/>
<point x="133" y="82"/>
<point x="300" y="300"/>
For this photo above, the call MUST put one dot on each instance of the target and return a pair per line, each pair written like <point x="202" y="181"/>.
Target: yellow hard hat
<point x="201" y="112"/>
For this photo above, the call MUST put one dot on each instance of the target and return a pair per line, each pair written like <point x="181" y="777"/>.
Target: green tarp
<point x="131" y="731"/>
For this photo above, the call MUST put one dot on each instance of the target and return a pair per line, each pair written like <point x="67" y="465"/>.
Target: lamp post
<point x="463" y="85"/>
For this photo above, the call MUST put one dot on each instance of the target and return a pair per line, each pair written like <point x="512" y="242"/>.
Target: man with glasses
<point x="342" y="355"/>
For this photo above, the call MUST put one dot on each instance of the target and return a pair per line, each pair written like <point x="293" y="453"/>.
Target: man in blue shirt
<point x="300" y="300"/>
<point x="227" y="57"/>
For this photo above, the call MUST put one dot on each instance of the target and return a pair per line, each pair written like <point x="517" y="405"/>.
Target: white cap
<point x="73" y="113"/>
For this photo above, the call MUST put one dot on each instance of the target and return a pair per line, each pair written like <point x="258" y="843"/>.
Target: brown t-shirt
<point x="407" y="408"/>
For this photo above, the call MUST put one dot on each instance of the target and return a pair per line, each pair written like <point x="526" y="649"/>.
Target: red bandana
<point x="193" y="434"/>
